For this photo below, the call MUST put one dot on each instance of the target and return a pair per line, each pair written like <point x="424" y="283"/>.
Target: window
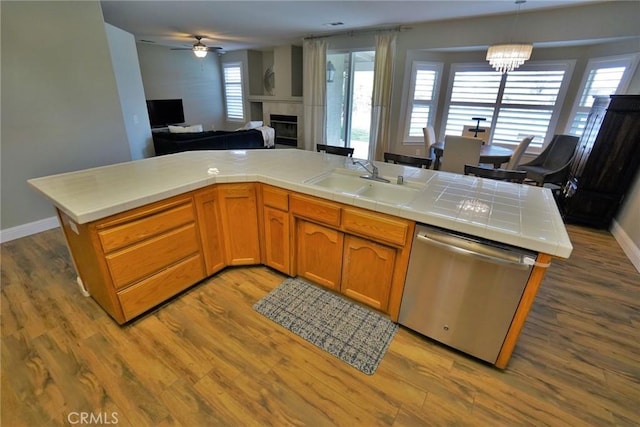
<point x="233" y="91"/>
<point x="348" y="105"/>
<point x="603" y="76"/>
<point x="516" y="104"/>
<point x="422" y="99"/>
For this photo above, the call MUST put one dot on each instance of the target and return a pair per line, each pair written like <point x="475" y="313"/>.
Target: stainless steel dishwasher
<point x="463" y="291"/>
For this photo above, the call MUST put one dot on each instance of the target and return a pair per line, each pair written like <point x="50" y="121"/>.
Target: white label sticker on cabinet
<point x="74" y="227"/>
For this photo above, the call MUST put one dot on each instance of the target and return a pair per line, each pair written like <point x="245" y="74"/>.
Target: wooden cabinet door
<point x="615" y="156"/>
<point x="319" y="254"/>
<point x="211" y="233"/>
<point x="367" y="271"/>
<point x="276" y="236"/>
<point x="239" y="214"/>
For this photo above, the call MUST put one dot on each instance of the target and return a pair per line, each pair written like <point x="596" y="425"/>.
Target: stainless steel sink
<point x="349" y="182"/>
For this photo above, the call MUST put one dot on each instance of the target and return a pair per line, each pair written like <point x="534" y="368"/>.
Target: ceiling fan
<point x="199" y="48"/>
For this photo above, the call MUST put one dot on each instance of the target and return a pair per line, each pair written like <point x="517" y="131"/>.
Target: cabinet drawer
<point x="275" y="197"/>
<point x="150" y="292"/>
<point x="316" y="209"/>
<point x="378" y="226"/>
<point x="134" y="231"/>
<point x="145" y="258"/>
<point x="237" y="190"/>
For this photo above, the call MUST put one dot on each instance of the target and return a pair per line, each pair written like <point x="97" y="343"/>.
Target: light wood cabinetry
<point x="379" y="227"/>
<point x="315" y="209"/>
<point x="239" y="215"/>
<point x="125" y="230"/>
<point x="159" y="287"/>
<point x="360" y="253"/>
<point x="132" y="261"/>
<point x="152" y="253"/>
<point x="275" y="211"/>
<point x="319" y="254"/>
<point x="367" y="271"/>
<point x="211" y="232"/>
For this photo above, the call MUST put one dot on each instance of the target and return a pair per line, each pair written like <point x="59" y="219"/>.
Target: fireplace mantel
<point x="273" y="99"/>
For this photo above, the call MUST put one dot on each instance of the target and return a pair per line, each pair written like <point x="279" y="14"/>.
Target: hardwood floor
<point x="206" y="358"/>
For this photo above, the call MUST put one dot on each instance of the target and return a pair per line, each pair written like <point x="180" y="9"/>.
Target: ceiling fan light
<point x="200" y="50"/>
<point x="508" y="57"/>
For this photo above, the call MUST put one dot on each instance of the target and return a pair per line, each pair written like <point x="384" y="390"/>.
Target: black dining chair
<point x="498" y="174"/>
<point x="334" y="149"/>
<point x="401" y="159"/>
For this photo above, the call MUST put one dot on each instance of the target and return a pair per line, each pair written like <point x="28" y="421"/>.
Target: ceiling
<point x="236" y="25"/>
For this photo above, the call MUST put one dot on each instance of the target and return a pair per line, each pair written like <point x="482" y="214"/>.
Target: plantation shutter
<point x="527" y="106"/>
<point x="514" y="104"/>
<point x="233" y="91"/>
<point x="600" y="81"/>
<point x="422" y="98"/>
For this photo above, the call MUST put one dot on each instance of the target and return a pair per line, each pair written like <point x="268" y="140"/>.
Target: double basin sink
<point x="347" y="182"/>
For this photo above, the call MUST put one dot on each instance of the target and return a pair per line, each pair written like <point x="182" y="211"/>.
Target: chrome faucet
<point x="373" y="173"/>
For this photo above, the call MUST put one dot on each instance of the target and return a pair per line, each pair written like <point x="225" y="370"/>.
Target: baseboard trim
<point x="628" y="246"/>
<point x="28" y="229"/>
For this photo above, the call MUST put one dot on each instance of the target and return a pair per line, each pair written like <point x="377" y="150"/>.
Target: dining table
<point x="489" y="153"/>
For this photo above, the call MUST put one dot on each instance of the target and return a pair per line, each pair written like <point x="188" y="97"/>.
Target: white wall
<point x="629" y="216"/>
<point x="169" y="74"/>
<point x="126" y="68"/>
<point x="60" y="107"/>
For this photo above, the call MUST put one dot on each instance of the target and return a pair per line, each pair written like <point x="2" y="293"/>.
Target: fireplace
<point x="286" y="129"/>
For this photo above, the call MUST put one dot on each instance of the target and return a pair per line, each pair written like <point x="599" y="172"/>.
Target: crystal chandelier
<point x="507" y="57"/>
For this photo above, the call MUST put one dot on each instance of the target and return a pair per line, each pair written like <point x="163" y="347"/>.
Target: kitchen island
<point x="143" y="231"/>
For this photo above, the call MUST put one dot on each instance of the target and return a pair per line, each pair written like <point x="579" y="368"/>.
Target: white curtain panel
<point x="315" y="92"/>
<point x="379" y="141"/>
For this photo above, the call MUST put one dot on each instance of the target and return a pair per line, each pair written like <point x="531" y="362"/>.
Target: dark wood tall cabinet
<point x="606" y="162"/>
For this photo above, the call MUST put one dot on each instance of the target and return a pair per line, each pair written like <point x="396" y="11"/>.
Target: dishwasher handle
<point x="475" y="249"/>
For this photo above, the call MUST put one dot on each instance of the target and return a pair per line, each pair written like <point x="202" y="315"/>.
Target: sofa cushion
<point x="185" y="129"/>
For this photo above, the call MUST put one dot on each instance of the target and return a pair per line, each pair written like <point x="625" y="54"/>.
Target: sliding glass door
<point x="349" y="100"/>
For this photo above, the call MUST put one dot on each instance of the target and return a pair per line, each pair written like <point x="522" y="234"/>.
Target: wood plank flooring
<point x="207" y="359"/>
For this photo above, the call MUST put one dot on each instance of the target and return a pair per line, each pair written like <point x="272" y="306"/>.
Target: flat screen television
<point x="164" y="112"/>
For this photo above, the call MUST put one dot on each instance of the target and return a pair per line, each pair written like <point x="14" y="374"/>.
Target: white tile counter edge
<point x="519" y="215"/>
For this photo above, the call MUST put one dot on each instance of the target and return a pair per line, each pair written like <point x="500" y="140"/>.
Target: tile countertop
<point x="519" y="215"/>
